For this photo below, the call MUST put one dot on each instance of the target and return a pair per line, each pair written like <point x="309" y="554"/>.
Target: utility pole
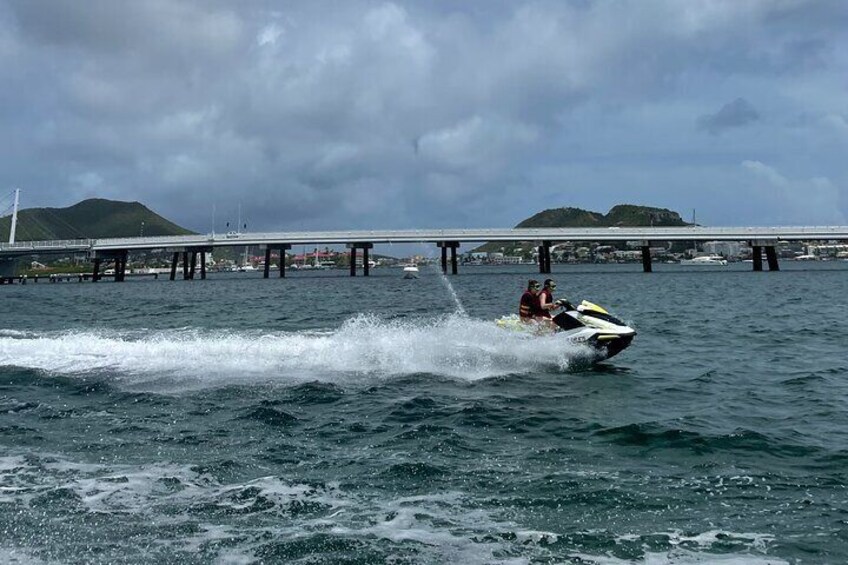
<point x="14" y="216"/>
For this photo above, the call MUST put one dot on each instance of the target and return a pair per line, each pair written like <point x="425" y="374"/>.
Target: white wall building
<point x="725" y="248"/>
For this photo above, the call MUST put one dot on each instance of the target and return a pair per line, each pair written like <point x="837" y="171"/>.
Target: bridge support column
<point x="758" y="258"/>
<point x="185" y="265"/>
<point x="203" y="265"/>
<point x="454" y="268"/>
<point x="269" y="247"/>
<point x="543" y="252"/>
<point x="95" y="274"/>
<point x="174" y="262"/>
<point x="283" y="248"/>
<point x="121" y="266"/>
<point x="452" y="245"/>
<point x="646" y="257"/>
<point x="192" y="265"/>
<point x="365" y="247"/>
<point x="770" y="247"/>
<point x="771" y="256"/>
<point x="366" y="268"/>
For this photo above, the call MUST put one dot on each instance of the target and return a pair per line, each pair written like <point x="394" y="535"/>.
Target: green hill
<point x="623" y="215"/>
<point x="94" y="218"/>
<point x="564" y="218"/>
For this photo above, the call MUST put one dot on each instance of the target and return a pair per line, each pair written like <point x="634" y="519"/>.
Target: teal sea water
<point x="324" y="419"/>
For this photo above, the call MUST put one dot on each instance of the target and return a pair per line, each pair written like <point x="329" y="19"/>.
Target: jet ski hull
<point x="611" y="347"/>
<point x="605" y="334"/>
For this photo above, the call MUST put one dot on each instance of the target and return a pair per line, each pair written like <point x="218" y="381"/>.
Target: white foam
<point x="453" y="346"/>
<point x="18" y="556"/>
<point x="445" y="526"/>
<point x="681" y="557"/>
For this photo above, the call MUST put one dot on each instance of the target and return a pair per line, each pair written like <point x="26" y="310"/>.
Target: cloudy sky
<point x="372" y="114"/>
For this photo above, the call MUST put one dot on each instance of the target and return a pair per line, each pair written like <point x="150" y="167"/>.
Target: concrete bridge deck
<point x="788" y="233"/>
<point x="761" y="238"/>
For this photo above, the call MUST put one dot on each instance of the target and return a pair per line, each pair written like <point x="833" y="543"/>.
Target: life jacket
<point x="549" y="299"/>
<point x="529" y="306"/>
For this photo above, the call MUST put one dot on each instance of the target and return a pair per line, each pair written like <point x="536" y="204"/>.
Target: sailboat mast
<point x="14" y="216"/>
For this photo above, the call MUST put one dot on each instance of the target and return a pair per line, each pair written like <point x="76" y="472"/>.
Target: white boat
<point x="705" y="261"/>
<point x="410" y="272"/>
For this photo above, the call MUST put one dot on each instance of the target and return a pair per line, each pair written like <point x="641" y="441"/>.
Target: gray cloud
<point x="396" y="114"/>
<point x="734" y="114"/>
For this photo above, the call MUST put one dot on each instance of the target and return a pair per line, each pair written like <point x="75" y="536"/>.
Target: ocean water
<point x="324" y="419"/>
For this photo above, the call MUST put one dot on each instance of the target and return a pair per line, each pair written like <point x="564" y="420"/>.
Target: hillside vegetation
<point x="94" y="218"/>
<point x="622" y="215"/>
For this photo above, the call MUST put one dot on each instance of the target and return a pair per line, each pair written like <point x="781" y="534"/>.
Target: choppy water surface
<point x="323" y="419"/>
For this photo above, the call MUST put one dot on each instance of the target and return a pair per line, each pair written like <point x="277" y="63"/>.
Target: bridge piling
<point x="758" y="258"/>
<point x="771" y="256"/>
<point x="267" y="271"/>
<point x="646" y="259"/>
<point x="95" y="276"/>
<point x="365" y="247"/>
<point x="544" y="254"/>
<point x="283" y="248"/>
<point x="185" y="265"/>
<point x="192" y="265"/>
<point x="121" y="266"/>
<point x="174" y="262"/>
<point x="444" y="246"/>
<point x="453" y="260"/>
<point x="203" y="265"/>
<point x="366" y="268"/>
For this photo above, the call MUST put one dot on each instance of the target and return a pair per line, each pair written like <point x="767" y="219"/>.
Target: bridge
<point x="189" y="247"/>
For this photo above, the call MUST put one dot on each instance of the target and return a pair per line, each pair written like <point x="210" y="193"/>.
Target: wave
<point x="188" y="511"/>
<point x="453" y="346"/>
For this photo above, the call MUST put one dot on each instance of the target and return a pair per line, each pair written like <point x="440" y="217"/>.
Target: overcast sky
<point x="360" y="114"/>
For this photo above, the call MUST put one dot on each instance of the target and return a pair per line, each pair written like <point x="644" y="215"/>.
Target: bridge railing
<point x="46" y="244"/>
<point x="153" y="241"/>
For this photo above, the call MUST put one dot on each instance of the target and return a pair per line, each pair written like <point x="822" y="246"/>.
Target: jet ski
<point x="587" y="324"/>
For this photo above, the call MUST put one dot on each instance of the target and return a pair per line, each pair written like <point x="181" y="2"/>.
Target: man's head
<point x="533" y="286"/>
<point x="550" y="284"/>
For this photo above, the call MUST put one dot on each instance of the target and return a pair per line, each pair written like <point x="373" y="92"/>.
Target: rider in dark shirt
<point x="529" y="308"/>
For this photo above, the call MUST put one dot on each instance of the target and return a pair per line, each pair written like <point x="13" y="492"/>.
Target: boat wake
<point x="365" y="346"/>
